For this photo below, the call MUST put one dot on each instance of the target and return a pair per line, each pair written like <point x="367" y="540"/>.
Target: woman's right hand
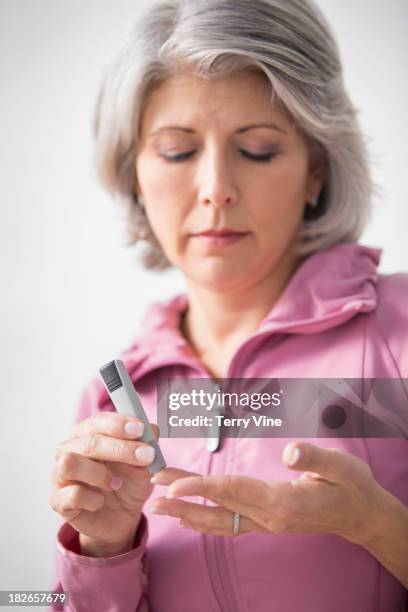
<point x="86" y="490"/>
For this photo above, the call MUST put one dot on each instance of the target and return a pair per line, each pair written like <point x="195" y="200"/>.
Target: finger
<point x="72" y="499"/>
<point x="106" y="448"/>
<point x="246" y="526"/>
<point x="169" y="475"/>
<point x="334" y="465"/>
<point x="205" y="519"/>
<point x="248" y="496"/>
<point x="111" y="424"/>
<point x="74" y="467"/>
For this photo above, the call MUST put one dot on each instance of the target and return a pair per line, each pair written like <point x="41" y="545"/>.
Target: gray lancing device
<point x="126" y="401"/>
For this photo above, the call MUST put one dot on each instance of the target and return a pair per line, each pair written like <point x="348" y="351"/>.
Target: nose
<point x="216" y="180"/>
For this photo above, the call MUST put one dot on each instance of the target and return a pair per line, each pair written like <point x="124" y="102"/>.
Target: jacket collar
<point x="328" y="288"/>
<point x="329" y="282"/>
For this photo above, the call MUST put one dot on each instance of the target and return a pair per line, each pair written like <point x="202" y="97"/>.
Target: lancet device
<point x="127" y="401"/>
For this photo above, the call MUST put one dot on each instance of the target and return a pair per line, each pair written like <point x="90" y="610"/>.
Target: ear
<point x="136" y="189"/>
<point x="318" y="170"/>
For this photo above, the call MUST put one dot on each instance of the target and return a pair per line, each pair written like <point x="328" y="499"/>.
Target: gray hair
<point x="292" y="44"/>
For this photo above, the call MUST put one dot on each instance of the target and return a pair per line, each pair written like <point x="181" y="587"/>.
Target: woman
<point x="229" y="117"/>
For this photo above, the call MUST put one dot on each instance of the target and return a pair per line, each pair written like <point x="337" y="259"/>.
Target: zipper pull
<point x="213" y="444"/>
<point x="214" y="432"/>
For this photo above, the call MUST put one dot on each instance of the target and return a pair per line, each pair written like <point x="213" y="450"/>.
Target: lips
<point x="213" y="239"/>
<point x="221" y="233"/>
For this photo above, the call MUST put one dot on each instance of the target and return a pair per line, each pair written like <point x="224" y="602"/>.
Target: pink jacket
<point x="337" y="317"/>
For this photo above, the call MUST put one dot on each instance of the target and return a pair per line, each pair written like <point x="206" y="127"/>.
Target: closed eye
<point x="266" y="157"/>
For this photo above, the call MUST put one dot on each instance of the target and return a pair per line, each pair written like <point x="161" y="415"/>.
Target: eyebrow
<point x="272" y="126"/>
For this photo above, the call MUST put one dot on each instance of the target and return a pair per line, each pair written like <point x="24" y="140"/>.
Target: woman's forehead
<point x="184" y="99"/>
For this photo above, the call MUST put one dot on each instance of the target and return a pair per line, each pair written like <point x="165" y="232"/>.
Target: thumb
<point x="332" y="464"/>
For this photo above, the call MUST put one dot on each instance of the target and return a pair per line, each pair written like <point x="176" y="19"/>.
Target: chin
<point x="222" y="276"/>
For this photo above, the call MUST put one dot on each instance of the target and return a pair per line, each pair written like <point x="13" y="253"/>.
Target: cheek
<point x="165" y="223"/>
<point x="279" y="210"/>
<point x="159" y="180"/>
<point x="150" y="179"/>
<point x="159" y="195"/>
<point x="282" y="198"/>
<point x="156" y="190"/>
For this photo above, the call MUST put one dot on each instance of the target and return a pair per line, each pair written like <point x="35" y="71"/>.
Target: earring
<point x="314" y="202"/>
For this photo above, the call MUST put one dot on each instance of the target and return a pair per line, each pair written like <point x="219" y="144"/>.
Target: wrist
<point x="386" y="513"/>
<point x="96" y="547"/>
<point x="91" y="547"/>
<point x="389" y="545"/>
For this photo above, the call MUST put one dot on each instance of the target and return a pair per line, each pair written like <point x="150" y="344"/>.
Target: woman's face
<point x="197" y="170"/>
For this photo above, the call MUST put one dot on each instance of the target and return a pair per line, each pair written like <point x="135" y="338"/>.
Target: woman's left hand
<point x="336" y="493"/>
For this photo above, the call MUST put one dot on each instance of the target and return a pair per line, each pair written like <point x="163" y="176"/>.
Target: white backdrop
<point x="72" y="295"/>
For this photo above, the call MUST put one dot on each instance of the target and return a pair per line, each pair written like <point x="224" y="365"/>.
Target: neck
<point x="221" y="318"/>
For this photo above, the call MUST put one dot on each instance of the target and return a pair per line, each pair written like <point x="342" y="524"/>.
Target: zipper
<point x="213" y="547"/>
<point x="217" y="566"/>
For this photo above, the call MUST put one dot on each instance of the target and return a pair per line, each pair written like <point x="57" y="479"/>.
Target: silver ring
<point x="235" y="523"/>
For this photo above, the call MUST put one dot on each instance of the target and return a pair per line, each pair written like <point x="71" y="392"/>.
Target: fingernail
<point x="294" y="455"/>
<point x="158" y="478"/>
<point x="145" y="453"/>
<point x="133" y="428"/>
<point x="156" y="510"/>
<point x="116" y="483"/>
<point x="311" y="475"/>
